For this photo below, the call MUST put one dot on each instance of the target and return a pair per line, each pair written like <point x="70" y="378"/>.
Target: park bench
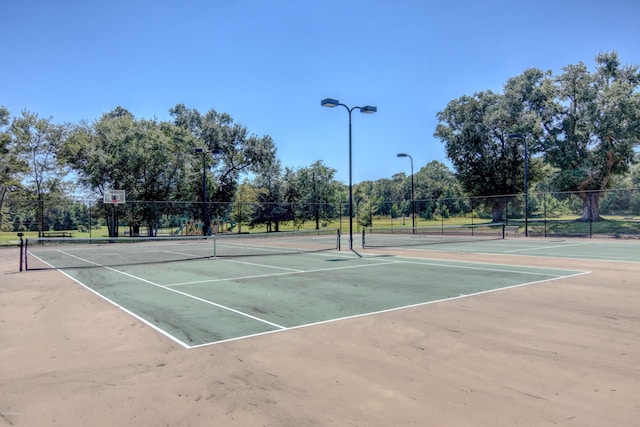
<point x="57" y="234"/>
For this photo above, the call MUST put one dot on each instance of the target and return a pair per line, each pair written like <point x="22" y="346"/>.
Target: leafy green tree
<point x="149" y="160"/>
<point x="238" y="150"/>
<point x="397" y="191"/>
<point x="431" y="182"/>
<point x="634" y="173"/>
<point x="477" y="132"/>
<point x="270" y="209"/>
<point x="38" y="142"/>
<point x="318" y="191"/>
<point x="592" y="128"/>
<point x="366" y="211"/>
<point x="246" y="202"/>
<point x="485" y="159"/>
<point x="291" y="195"/>
<point x="12" y="165"/>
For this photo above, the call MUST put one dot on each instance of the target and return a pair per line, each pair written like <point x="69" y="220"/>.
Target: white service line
<point x="182" y="293"/>
<point x="287" y="273"/>
<point x="235" y="261"/>
<point x="546" y="247"/>
<point x="374" y="313"/>
<point x="497" y="270"/>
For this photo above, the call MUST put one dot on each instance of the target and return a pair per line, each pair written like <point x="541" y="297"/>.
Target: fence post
<point x="544" y="201"/>
<point x="21" y="249"/>
<point x="471" y="200"/>
<point x="506" y="211"/>
<point x="590" y="215"/>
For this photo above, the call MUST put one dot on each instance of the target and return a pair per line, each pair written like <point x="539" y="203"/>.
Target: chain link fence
<point x="547" y="215"/>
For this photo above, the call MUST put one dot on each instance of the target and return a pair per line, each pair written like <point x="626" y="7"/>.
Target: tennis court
<point x="241" y="292"/>
<point x="610" y="250"/>
<point x="514" y="331"/>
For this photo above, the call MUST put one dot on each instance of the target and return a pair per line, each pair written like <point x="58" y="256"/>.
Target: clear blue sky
<point x="269" y="63"/>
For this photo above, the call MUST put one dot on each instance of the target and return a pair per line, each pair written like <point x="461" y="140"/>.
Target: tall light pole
<point x="367" y="109"/>
<point x="413" y="200"/>
<point x="205" y="213"/>
<point x="517" y="136"/>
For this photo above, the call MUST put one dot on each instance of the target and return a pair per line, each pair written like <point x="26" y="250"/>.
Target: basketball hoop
<point x="114" y="197"/>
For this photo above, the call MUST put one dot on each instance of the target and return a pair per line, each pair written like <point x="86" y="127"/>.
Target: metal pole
<point x="413" y="200"/>
<point x="330" y="102"/>
<point x="21" y="249"/>
<point x="526" y="190"/>
<point x="350" y="186"/>
<point x="205" y="213"/>
<point x="340" y="203"/>
<point x="545" y="214"/>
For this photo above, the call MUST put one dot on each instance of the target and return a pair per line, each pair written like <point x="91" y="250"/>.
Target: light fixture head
<point x="403" y="155"/>
<point x="203" y="151"/>
<point x="329" y="102"/>
<point x="368" y="109"/>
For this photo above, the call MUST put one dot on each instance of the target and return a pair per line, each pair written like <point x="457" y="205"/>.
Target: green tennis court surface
<point x="602" y="250"/>
<point x="204" y="301"/>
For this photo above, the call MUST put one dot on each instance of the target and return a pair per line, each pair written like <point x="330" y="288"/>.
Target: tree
<point x="238" y="151"/>
<point x="11" y="164"/>
<point x="38" y="142"/>
<point x="318" y="190"/>
<point x="586" y="125"/>
<point x="149" y="160"/>
<point x="435" y="181"/>
<point x="245" y="204"/>
<point x="487" y="162"/>
<point x="155" y="161"/>
<point x="593" y="129"/>
<point x="269" y="209"/>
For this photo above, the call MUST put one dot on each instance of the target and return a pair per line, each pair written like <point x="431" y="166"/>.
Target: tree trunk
<point x="4" y="192"/>
<point x="112" y="221"/>
<point x="497" y="209"/>
<point x="590" y="206"/>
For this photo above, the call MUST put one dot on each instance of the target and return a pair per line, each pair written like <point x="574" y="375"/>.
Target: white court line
<point x="546" y="247"/>
<point x="287" y="273"/>
<point x="380" y="262"/>
<point x="495" y="270"/>
<point x="389" y="310"/>
<point x="180" y="292"/>
<point x="599" y="258"/>
<point x="110" y="301"/>
<point x="283" y="328"/>
<point x="235" y="261"/>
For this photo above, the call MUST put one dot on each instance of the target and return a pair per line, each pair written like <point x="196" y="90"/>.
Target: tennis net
<point x="418" y="236"/>
<point x="63" y="253"/>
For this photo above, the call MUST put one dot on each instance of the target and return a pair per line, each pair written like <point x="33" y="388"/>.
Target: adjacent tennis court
<point x="229" y="288"/>
<point x="205" y="331"/>
<point x="611" y="250"/>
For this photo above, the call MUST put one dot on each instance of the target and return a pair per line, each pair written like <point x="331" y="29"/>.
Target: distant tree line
<point x="581" y="130"/>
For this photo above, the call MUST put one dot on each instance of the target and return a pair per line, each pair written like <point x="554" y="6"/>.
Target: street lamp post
<point x="205" y="214"/>
<point x="413" y="200"/>
<point x="367" y="109"/>
<point x="517" y="136"/>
